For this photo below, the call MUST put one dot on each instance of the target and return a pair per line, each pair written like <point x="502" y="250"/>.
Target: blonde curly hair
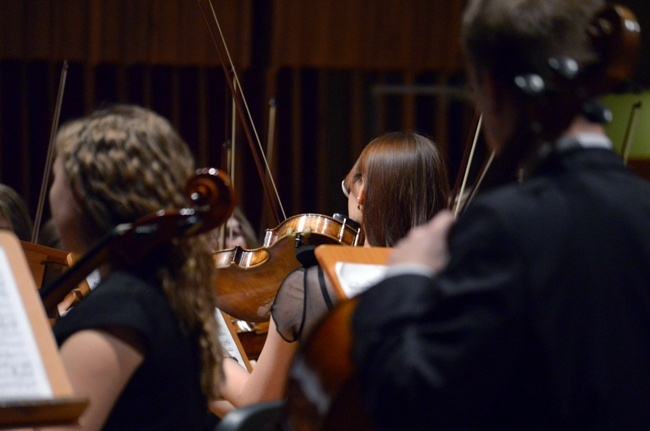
<point x="125" y="162"/>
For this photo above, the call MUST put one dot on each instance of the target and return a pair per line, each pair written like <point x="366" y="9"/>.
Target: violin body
<point x="48" y="264"/>
<point x="45" y="263"/>
<point x="247" y="280"/>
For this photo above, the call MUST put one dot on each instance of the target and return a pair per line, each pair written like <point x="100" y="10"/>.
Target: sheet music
<point x="357" y="277"/>
<point x="93" y="279"/>
<point x="227" y="341"/>
<point x="22" y="372"/>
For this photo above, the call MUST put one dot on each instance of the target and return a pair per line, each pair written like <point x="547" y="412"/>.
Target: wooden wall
<point x="339" y="72"/>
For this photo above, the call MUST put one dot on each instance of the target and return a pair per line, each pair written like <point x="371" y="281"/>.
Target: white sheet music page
<point x="227" y="341"/>
<point x="357" y="277"/>
<point x="22" y="372"/>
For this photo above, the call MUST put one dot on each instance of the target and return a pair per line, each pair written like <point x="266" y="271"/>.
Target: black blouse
<point x="164" y="393"/>
<point x="303" y="298"/>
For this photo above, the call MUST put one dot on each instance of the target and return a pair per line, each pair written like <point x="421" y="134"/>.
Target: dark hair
<point x="14" y="209"/>
<point x="405" y="182"/>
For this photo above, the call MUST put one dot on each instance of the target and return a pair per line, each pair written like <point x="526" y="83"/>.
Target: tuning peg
<point x="565" y="67"/>
<point x="597" y="112"/>
<point x="531" y="84"/>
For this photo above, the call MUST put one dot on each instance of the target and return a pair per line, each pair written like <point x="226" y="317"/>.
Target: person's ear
<point x="361" y="197"/>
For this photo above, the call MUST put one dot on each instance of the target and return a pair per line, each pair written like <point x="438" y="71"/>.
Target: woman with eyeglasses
<point x="399" y="181"/>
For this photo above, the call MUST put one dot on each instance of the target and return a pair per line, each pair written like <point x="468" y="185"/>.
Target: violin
<point x="45" y="263"/>
<point x="247" y="280"/>
<point x="75" y="295"/>
<point x="126" y="245"/>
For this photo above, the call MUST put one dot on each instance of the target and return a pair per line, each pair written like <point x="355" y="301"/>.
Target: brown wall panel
<point x="370" y="34"/>
<point x="118" y="31"/>
<point x="320" y="59"/>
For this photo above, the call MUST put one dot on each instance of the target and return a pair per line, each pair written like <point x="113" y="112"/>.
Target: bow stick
<point x="50" y="151"/>
<point x="629" y="131"/>
<point x="240" y="99"/>
<point x="459" y="200"/>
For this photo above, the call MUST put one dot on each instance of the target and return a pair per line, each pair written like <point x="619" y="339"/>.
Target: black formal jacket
<point x="541" y="320"/>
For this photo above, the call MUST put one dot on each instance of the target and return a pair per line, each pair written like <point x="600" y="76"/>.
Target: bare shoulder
<point x="99" y="364"/>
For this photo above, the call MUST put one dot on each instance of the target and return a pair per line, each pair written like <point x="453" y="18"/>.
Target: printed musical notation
<point x="227" y="341"/>
<point x="22" y="372"/>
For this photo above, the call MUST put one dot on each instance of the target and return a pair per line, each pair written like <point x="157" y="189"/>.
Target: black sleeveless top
<point x="303" y="298"/>
<point x="164" y="393"/>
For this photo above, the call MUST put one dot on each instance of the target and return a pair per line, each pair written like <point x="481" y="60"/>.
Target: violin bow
<point x="629" y="131"/>
<point x="458" y="200"/>
<point x="614" y="33"/>
<point x="228" y="154"/>
<point x="468" y="157"/>
<point x="270" y="137"/>
<point x="50" y="152"/>
<point x="230" y="161"/>
<point x="477" y="185"/>
<point x="240" y="99"/>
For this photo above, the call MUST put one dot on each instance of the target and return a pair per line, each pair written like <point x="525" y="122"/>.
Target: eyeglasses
<point x="346" y="192"/>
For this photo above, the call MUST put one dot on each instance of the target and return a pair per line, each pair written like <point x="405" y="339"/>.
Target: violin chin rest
<point x="306" y="256"/>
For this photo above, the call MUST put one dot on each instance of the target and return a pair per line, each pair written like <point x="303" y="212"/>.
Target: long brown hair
<point x="406" y="184"/>
<point x="125" y="162"/>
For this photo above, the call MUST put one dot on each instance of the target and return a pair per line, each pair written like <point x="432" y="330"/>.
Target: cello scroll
<point x="127" y="244"/>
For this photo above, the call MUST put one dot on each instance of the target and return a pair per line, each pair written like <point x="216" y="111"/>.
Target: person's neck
<point x="581" y="125"/>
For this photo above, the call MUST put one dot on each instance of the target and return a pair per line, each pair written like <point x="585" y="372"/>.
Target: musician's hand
<point x="426" y="244"/>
